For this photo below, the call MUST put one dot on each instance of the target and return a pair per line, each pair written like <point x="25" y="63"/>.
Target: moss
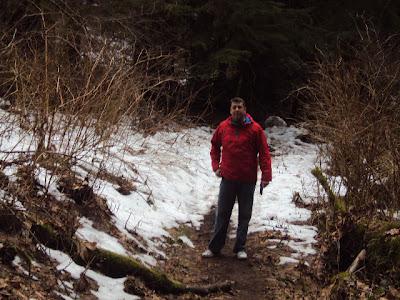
<point x="384" y="254"/>
<point x="342" y="276"/>
<point x="340" y="205"/>
<point x="390" y="225"/>
<point x="340" y="285"/>
<point x="116" y="266"/>
<point x="383" y="251"/>
<point x="49" y="229"/>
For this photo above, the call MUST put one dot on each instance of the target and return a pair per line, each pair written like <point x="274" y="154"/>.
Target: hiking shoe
<point x="208" y="254"/>
<point x="241" y="255"/>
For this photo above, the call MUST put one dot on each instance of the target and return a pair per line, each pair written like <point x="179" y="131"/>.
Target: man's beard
<point x="238" y="117"/>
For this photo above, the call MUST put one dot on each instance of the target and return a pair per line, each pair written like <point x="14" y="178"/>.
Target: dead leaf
<point x="393" y="232"/>
<point x="3" y="283"/>
<point x="394" y="292"/>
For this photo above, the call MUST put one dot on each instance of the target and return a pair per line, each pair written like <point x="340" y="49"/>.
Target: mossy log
<point x="116" y="266"/>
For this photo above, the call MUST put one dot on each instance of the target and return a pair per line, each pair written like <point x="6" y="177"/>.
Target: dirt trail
<point x="259" y="277"/>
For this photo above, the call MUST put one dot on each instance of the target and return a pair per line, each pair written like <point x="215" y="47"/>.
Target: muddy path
<point x="261" y="276"/>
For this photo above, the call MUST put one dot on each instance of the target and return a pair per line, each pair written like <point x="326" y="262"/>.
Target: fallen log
<point x="117" y="266"/>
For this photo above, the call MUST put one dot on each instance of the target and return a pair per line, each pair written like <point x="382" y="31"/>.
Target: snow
<point x="287" y="260"/>
<point x="49" y="181"/>
<point x="17" y="262"/>
<point x="176" y="185"/>
<point x="186" y="241"/>
<point x="173" y="186"/>
<point x="10" y="200"/>
<point x="106" y="241"/>
<point x="10" y="172"/>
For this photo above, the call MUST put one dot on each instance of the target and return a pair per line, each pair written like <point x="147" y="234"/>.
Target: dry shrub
<point x="355" y="109"/>
<point x="72" y="86"/>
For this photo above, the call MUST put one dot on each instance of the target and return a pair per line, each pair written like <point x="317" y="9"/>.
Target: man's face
<point x="238" y="111"/>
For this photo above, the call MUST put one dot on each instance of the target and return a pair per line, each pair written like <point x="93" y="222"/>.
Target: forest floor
<point x="261" y="276"/>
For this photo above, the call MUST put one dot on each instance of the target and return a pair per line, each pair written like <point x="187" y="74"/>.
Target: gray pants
<point x="228" y="192"/>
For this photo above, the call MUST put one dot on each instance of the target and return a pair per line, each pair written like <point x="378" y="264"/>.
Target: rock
<point x="123" y="190"/>
<point x="275" y="121"/>
<point x="7" y="254"/>
<point x="4" y="104"/>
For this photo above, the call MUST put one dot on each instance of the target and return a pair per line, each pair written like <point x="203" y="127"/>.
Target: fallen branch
<point x="354" y="265"/>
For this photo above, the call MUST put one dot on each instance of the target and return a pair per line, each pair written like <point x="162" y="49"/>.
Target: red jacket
<point x="240" y="146"/>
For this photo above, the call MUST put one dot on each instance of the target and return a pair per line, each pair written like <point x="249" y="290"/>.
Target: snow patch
<point x="287" y="260"/>
<point x="104" y="240"/>
<point x="109" y="288"/>
<point x="186" y="241"/>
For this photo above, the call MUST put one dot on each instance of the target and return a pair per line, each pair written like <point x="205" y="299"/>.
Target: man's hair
<point x="238" y="100"/>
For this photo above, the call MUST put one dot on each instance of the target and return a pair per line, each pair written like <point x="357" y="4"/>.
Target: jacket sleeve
<point x="215" y="153"/>
<point x="264" y="156"/>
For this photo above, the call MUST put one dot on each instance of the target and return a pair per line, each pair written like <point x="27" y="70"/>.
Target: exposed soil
<point x="259" y="277"/>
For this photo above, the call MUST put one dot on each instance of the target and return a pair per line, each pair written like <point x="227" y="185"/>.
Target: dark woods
<point x="262" y="50"/>
<point x="259" y="50"/>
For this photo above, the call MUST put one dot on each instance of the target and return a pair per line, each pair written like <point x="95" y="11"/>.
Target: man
<point x="241" y="140"/>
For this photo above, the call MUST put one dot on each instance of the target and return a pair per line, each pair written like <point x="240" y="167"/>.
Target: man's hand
<point x="218" y="173"/>
<point x="264" y="183"/>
